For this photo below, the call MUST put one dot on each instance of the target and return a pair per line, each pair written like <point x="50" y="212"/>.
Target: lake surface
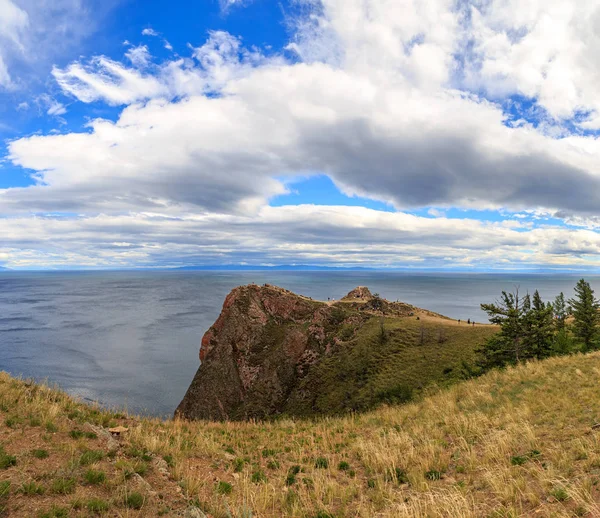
<point x="131" y="339"/>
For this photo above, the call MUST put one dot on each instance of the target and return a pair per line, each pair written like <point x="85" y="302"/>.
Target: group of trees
<point x="531" y="328"/>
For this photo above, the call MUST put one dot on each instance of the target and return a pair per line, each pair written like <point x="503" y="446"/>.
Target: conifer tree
<point x="559" y="308"/>
<point x="508" y="345"/>
<point x="539" y="329"/>
<point x="585" y="307"/>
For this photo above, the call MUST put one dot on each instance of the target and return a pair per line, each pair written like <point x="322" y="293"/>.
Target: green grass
<point x="366" y="371"/>
<point x="90" y="457"/>
<point x="40" y="454"/>
<point x="63" y="485"/>
<point x="97" y="505"/>
<point x="55" y="512"/>
<point x="6" y="460"/>
<point x="31" y="488"/>
<point x="94" y="477"/>
<point x="224" y="488"/>
<point x="134" y="501"/>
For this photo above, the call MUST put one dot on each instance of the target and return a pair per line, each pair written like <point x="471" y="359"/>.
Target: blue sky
<point x="356" y="133"/>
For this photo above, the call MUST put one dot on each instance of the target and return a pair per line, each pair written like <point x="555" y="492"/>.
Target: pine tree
<point x="507" y="346"/>
<point x="559" y="308"/>
<point x="539" y="329"/>
<point x="584" y="308"/>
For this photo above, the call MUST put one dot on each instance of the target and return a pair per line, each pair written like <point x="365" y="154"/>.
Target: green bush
<point x="224" y="488"/>
<point x="258" y="476"/>
<point x="94" y="477"/>
<point x="322" y="463"/>
<point x="40" y="454"/>
<point x="134" y="501"/>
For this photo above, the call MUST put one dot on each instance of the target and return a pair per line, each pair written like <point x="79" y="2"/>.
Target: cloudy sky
<point x="427" y="134"/>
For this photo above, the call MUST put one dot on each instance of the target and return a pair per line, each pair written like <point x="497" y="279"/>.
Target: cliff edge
<point x="274" y="352"/>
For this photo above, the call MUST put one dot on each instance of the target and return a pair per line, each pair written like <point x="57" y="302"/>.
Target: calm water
<point x="132" y="338"/>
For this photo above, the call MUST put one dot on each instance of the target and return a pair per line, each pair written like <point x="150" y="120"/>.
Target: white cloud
<point x="13" y="22"/>
<point x="281" y="235"/>
<point x="149" y="32"/>
<point x="380" y="102"/>
<point x="139" y="56"/>
<point x="34" y="33"/>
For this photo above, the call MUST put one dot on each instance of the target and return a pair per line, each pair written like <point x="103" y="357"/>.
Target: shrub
<point x="258" y="476"/>
<point x="94" y="477"/>
<point x="560" y="493"/>
<point x="224" y="488"/>
<point x="397" y="475"/>
<point x="322" y="463"/>
<point x="6" y="461"/>
<point x="134" y="501"/>
<point x="343" y="466"/>
<point x="291" y="475"/>
<point x="40" y="454"/>
<point x="433" y="475"/>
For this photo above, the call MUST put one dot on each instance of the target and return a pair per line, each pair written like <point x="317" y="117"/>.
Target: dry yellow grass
<point x="515" y="443"/>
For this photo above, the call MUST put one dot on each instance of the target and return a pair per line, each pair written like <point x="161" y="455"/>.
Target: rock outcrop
<point x="359" y="293"/>
<point x="273" y="352"/>
<point x="254" y="356"/>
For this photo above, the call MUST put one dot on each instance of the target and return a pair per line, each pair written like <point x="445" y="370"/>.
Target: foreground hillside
<point x="272" y="352"/>
<point x="523" y="442"/>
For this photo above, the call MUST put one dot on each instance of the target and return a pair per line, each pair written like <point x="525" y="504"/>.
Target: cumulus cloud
<point x="149" y="32"/>
<point x="395" y="102"/>
<point x="13" y="22"/>
<point x="33" y="33"/>
<point x="307" y="234"/>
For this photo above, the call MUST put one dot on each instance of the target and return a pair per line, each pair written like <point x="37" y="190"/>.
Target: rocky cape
<point x="270" y="351"/>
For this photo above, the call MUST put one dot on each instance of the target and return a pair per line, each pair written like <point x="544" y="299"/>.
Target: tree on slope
<point x="539" y="329"/>
<point x="559" y="308"/>
<point x="585" y="307"/>
<point x="508" y="346"/>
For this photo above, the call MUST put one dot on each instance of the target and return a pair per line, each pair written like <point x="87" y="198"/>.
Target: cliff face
<point x="254" y="357"/>
<point x="273" y="352"/>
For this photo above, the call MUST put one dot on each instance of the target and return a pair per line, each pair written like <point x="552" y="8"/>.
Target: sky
<point x="418" y="134"/>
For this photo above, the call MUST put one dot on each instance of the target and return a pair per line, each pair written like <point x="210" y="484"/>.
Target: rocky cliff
<point x="273" y="352"/>
<point x="264" y="342"/>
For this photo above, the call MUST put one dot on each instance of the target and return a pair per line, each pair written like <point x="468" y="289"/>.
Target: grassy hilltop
<point x="272" y="352"/>
<point x="519" y="442"/>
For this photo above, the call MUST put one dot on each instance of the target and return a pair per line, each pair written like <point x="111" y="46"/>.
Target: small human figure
<point x="468" y="321"/>
<point x="459" y="320"/>
<point x="473" y="323"/>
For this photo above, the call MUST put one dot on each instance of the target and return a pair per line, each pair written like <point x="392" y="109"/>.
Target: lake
<point x="131" y="338"/>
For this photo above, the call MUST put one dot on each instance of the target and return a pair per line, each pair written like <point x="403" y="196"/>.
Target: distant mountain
<point x="283" y="267"/>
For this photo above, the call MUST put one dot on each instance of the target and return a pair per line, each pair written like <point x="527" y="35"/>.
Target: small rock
<point x="111" y="443"/>
<point x="143" y="484"/>
<point x="596" y="426"/>
<point x="161" y="466"/>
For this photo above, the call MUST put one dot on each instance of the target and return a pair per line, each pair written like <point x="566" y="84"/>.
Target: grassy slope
<point x="513" y="443"/>
<point x="369" y="370"/>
